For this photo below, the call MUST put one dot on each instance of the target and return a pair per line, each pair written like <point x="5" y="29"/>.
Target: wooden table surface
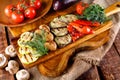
<point x="109" y="68"/>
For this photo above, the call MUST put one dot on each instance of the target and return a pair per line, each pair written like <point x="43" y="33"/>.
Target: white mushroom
<point x="3" y="60"/>
<point x="12" y="67"/>
<point x="10" y="51"/>
<point x="22" y="75"/>
<point x="51" y="45"/>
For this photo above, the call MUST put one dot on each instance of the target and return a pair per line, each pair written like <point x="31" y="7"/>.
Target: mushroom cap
<point x="12" y="67"/>
<point x="10" y="51"/>
<point x="3" y="60"/>
<point x="22" y="74"/>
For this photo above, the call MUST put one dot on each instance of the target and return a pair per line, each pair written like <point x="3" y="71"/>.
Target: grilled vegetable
<point x="47" y="35"/>
<point x="33" y="45"/>
<point x="26" y="36"/>
<point x="62" y="21"/>
<point x="68" y="18"/>
<point x="44" y="27"/>
<point x="51" y="45"/>
<point x="28" y="58"/>
<point x="57" y="23"/>
<point x="63" y="40"/>
<point x="80" y="28"/>
<point x="59" y="31"/>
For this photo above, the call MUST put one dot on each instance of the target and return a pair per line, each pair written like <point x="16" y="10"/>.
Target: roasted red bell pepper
<point x="87" y="23"/>
<point x="80" y="28"/>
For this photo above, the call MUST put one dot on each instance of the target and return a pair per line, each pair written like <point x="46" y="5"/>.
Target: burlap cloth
<point x="84" y="60"/>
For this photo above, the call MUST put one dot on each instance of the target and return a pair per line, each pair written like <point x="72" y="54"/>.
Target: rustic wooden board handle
<point x="112" y="9"/>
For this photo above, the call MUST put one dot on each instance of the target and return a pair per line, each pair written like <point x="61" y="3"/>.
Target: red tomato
<point x="22" y="5"/>
<point x="9" y="9"/>
<point x="17" y="16"/>
<point x="81" y="7"/>
<point x="30" y="13"/>
<point x="35" y="3"/>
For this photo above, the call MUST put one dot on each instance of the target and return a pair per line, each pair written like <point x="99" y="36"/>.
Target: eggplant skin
<point x="58" y="4"/>
<point x="62" y="21"/>
<point x="59" y="31"/>
<point x="62" y="4"/>
<point x="57" y="23"/>
<point x="69" y="2"/>
<point x="63" y="40"/>
<point x="68" y="18"/>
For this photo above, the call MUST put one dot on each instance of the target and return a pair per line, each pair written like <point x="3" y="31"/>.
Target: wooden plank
<point x="3" y="42"/>
<point x="91" y="74"/>
<point x="110" y="65"/>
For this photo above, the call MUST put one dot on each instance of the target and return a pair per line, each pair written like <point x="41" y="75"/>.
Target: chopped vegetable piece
<point x="87" y="23"/>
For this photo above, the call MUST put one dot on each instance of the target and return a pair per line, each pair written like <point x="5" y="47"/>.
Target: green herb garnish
<point x="94" y="13"/>
<point x="37" y="44"/>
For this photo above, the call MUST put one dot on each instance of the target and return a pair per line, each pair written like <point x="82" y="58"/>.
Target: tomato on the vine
<point x="81" y="7"/>
<point x="30" y="13"/>
<point x="17" y="16"/>
<point x="9" y="9"/>
<point x="35" y="3"/>
<point x="22" y="5"/>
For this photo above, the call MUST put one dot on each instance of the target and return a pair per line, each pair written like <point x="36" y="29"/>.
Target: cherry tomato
<point x="22" y="5"/>
<point x="9" y="9"/>
<point x="35" y="3"/>
<point x="17" y="16"/>
<point x="81" y="7"/>
<point x="30" y="13"/>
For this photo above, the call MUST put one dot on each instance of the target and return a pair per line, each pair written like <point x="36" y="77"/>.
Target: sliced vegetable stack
<point x="33" y="45"/>
<point x="59" y="29"/>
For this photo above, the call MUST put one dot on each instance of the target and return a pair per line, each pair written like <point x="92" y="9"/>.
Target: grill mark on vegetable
<point x="31" y="56"/>
<point x="59" y="31"/>
<point x="26" y="58"/>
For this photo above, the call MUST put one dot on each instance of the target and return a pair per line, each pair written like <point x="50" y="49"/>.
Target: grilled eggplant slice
<point x="62" y="21"/>
<point x="68" y="18"/>
<point x="63" y="40"/>
<point x="57" y="23"/>
<point x="59" y="31"/>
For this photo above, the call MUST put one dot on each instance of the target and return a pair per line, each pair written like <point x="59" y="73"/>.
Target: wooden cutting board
<point x="92" y="38"/>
